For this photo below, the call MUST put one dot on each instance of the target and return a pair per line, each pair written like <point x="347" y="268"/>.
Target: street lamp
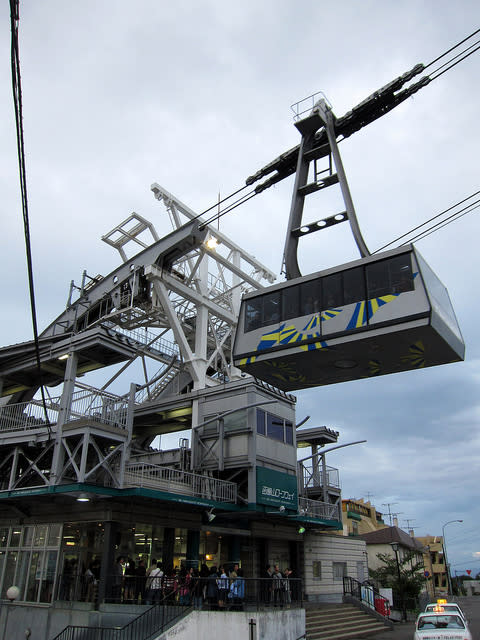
<point x="395" y="547"/>
<point x="449" y="581"/>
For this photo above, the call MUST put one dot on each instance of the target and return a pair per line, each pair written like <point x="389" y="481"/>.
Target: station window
<point x="275" y="427"/>
<point x="317" y="569"/>
<point x="339" y="570"/>
<point x="288" y="432"/>
<point x="261" y="422"/>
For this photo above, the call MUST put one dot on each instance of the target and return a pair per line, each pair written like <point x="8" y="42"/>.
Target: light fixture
<point x="281" y="509"/>
<point x="64" y="356"/>
<point x="212" y="242"/>
<point x="210" y="515"/>
<point x="301" y="529"/>
<point x="345" y="364"/>
<point x="12" y="593"/>
<point x="83" y="497"/>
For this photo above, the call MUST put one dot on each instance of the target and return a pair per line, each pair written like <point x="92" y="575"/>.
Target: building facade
<point x="435" y="568"/>
<point x="84" y="479"/>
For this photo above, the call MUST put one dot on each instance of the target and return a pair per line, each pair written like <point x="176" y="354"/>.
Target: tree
<point x="405" y="578"/>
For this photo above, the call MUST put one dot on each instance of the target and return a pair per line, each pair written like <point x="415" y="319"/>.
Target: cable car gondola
<point x="377" y="315"/>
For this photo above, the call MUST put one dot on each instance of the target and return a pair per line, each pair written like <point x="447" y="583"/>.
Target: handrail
<point x="144" y="474"/>
<point x="89" y="403"/>
<point x="260" y="593"/>
<point x="148" y="624"/>
<point x="367" y="595"/>
<point x="318" y="509"/>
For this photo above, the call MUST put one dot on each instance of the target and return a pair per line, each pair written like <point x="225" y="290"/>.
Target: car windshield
<point x="441" y="622"/>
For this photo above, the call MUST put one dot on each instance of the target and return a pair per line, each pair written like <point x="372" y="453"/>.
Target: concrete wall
<point x="328" y="549"/>
<point x="265" y="625"/>
<point x="46" y="622"/>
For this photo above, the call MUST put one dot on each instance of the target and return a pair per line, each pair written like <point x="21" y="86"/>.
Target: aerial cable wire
<point x="434" y="77"/>
<point x="436" y="73"/>
<point x="231" y="207"/>
<point x="17" y="99"/>
<point x="451" y="49"/>
<point x="440" y="225"/>
<point x="407" y="233"/>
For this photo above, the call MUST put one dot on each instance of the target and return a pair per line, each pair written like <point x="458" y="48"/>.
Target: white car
<point x="441" y="626"/>
<point x="445" y="607"/>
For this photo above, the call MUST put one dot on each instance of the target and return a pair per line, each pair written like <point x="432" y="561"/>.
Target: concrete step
<point x="340" y="622"/>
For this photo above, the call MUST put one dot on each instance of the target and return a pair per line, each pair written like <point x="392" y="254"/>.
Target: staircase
<point x="340" y="622"/>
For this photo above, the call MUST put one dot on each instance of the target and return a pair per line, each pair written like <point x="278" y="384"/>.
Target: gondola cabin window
<point x="389" y="277"/>
<point x="386" y="277"/>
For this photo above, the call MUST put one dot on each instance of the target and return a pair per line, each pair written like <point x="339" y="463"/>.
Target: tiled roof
<point x="389" y="535"/>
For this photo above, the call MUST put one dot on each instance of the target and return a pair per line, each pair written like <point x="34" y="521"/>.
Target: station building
<point x="84" y="477"/>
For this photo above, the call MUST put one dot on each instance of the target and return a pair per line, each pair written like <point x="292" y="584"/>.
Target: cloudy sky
<point x="196" y="96"/>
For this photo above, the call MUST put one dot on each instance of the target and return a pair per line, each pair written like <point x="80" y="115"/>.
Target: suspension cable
<point x="434" y="75"/>
<point x="431" y="220"/>
<point x="231" y="207"/>
<point x="452" y="48"/>
<point x="439" y="225"/>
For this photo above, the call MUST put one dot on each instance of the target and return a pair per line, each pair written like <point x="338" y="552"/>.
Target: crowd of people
<point x="210" y="587"/>
<point x="215" y="588"/>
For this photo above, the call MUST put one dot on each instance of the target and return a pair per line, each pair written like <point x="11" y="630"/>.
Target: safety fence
<point x="152" y="476"/>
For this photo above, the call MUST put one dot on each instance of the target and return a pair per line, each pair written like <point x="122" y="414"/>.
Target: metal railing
<point x="87" y="403"/>
<point x="143" y="474"/>
<point x="99" y="407"/>
<point x="204" y="593"/>
<point x="304" y="107"/>
<point x="145" y="338"/>
<point x="367" y="596"/>
<point x="148" y="625"/>
<point x="312" y="477"/>
<point x="24" y="416"/>
<point x="317" y="509"/>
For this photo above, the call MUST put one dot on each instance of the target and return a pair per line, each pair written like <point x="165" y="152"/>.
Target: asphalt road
<point x="405" y="631"/>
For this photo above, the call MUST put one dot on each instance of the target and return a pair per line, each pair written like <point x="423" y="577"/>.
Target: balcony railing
<point x="93" y="405"/>
<point x="312" y="476"/>
<point x="25" y="416"/>
<point x="316" y="509"/>
<point x="152" y="476"/>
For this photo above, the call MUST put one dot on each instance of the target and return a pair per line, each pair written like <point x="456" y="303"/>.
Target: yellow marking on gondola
<point x="416" y="355"/>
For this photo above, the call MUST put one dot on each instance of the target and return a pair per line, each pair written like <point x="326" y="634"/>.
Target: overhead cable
<point x="407" y="233"/>
<point x="17" y="99"/>
<point x="452" y="48"/>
